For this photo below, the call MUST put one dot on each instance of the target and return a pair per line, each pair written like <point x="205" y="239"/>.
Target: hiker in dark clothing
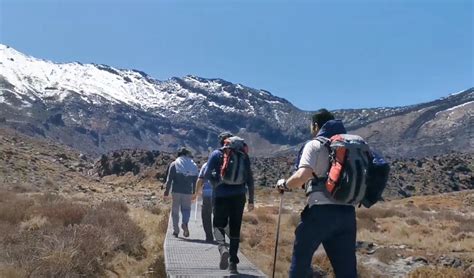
<point x="182" y="175"/>
<point x="229" y="203"/>
<point x="323" y="219"/>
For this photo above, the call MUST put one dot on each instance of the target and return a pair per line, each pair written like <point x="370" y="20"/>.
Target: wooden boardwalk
<point x="193" y="257"/>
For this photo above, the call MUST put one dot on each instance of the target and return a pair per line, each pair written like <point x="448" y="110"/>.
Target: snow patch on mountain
<point x="454" y="108"/>
<point x="94" y="83"/>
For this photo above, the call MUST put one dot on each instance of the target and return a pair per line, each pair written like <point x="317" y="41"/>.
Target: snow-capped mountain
<point x="98" y="108"/>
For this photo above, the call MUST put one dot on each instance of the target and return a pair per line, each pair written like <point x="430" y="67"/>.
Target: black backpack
<point x="376" y="180"/>
<point x="234" y="161"/>
<point x="356" y="174"/>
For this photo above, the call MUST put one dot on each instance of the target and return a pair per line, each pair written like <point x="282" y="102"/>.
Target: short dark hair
<point x="224" y="135"/>
<point x="321" y="117"/>
<point x="183" y="151"/>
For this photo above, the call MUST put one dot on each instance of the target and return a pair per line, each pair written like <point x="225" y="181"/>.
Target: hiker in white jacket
<point x="182" y="176"/>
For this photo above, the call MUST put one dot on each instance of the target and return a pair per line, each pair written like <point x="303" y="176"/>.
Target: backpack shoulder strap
<point x="323" y="140"/>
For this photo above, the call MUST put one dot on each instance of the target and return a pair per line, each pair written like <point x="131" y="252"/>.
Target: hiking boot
<point x="224" y="263"/>
<point x="185" y="230"/>
<point x="233" y="268"/>
<point x="175" y="234"/>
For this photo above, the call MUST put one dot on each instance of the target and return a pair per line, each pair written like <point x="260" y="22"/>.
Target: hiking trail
<point x="194" y="257"/>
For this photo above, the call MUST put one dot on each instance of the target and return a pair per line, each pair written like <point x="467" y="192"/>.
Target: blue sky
<point x="334" y="54"/>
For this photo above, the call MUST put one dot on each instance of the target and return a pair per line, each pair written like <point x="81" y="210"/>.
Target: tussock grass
<point x="428" y="226"/>
<point x="49" y="236"/>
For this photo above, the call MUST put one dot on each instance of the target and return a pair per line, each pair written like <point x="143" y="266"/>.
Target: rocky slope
<point x="409" y="177"/>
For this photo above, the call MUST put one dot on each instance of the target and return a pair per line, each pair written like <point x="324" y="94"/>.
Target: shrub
<point x="163" y="225"/>
<point x="386" y="255"/>
<point x="59" y="238"/>
<point x="424" y="207"/>
<point x="64" y="212"/>
<point x="114" y="205"/>
<point x="367" y="224"/>
<point x="14" y="209"/>
<point x="466" y="226"/>
<point x="127" y="235"/>
<point x="412" y="222"/>
<point x="155" y="209"/>
<point x="35" y="223"/>
<point x="375" y="212"/>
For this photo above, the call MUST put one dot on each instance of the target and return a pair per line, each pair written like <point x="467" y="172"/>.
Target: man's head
<point x="183" y="151"/>
<point x="224" y="135"/>
<point x="319" y="119"/>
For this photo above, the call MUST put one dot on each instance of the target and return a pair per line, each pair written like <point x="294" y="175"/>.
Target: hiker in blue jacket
<point x="323" y="219"/>
<point x="182" y="176"/>
<point x="229" y="204"/>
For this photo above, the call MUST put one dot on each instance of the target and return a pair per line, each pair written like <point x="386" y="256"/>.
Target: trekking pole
<point x="196" y="209"/>
<point x="277" y="233"/>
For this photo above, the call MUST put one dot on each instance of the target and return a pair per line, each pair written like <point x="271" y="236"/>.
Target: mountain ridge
<point x="97" y="108"/>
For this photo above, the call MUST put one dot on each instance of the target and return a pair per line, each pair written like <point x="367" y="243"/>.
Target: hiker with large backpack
<point x="228" y="170"/>
<point x="337" y="171"/>
<point x="182" y="175"/>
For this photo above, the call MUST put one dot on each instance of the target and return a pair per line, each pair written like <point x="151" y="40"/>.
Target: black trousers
<point x="335" y="227"/>
<point x="229" y="211"/>
<point x="206" y="215"/>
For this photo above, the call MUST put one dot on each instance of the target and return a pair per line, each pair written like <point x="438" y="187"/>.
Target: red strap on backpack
<point x="225" y="162"/>
<point x="336" y="166"/>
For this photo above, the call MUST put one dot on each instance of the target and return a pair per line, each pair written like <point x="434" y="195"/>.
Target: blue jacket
<point x="207" y="187"/>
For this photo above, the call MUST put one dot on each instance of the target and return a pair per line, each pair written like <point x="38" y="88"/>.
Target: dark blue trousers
<point x="335" y="227"/>
<point x="229" y="211"/>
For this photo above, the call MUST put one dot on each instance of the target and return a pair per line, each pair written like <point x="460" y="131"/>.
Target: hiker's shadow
<point x="242" y="276"/>
<point x="199" y="241"/>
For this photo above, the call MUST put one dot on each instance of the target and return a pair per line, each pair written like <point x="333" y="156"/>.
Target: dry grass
<point x="152" y="264"/>
<point x="63" y="212"/>
<point x="435" y="272"/>
<point x="258" y="237"/>
<point x="12" y="209"/>
<point x="428" y="226"/>
<point x="386" y="255"/>
<point x="250" y="218"/>
<point x="53" y="237"/>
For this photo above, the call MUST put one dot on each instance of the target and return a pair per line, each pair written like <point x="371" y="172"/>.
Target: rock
<point x="420" y="259"/>
<point x="364" y="245"/>
<point x="370" y="252"/>
<point x="461" y="168"/>
<point x="404" y="193"/>
<point x="447" y="261"/>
